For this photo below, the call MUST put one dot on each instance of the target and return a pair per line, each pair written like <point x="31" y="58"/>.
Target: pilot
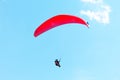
<point x="57" y="63"/>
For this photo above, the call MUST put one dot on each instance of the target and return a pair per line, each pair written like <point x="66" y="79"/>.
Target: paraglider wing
<point x="57" y="21"/>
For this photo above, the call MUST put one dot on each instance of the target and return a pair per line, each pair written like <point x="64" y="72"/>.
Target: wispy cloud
<point x="101" y="14"/>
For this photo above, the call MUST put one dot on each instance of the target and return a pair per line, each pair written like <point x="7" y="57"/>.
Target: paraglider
<point x="57" y="63"/>
<point x="57" y="21"/>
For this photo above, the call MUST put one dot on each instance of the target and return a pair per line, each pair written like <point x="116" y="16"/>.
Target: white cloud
<point x="101" y="15"/>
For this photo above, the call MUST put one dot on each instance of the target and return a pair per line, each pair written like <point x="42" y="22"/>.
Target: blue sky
<point x="86" y="54"/>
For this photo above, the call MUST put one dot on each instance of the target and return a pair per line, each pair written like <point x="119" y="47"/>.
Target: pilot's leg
<point x="59" y="65"/>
